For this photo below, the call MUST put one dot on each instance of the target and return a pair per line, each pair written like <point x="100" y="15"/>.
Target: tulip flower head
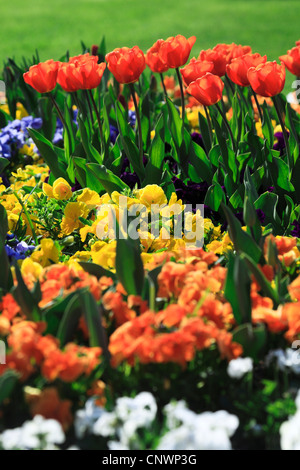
<point x="42" y="77"/>
<point x="195" y="69"/>
<point x="154" y="59"/>
<point x="217" y="58"/>
<point x="237" y="70"/>
<point x="267" y="79"/>
<point x="292" y="60"/>
<point x="80" y="73"/>
<point x="126" y="64"/>
<point x="207" y="89"/>
<point x="175" y="51"/>
<point x="232" y="51"/>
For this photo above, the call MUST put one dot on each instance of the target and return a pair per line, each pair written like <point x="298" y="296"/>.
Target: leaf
<point x="243" y="243"/>
<point x="54" y="160"/>
<point x="4" y="162"/>
<point x="253" y="339"/>
<point x="127" y="138"/>
<point x="107" y="178"/>
<point x="70" y="320"/>
<point x="96" y="270"/>
<point x="8" y="382"/>
<point x="93" y="318"/>
<point x="262" y="280"/>
<point x="214" y="196"/>
<point x="204" y="132"/>
<point x="24" y="298"/>
<point x="129" y="265"/>
<point x="237" y="289"/>
<point x="156" y="155"/>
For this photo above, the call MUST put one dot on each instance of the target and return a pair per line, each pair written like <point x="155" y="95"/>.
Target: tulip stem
<point x="209" y="125"/>
<point x="139" y="124"/>
<point x="61" y="117"/>
<point x="229" y="83"/>
<point x="227" y="125"/>
<point x="163" y="85"/>
<point x="182" y="97"/>
<point x="258" y="106"/>
<point x="98" y="119"/>
<point x="285" y="136"/>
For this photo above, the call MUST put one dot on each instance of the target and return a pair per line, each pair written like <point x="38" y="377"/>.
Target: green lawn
<point x="269" y="26"/>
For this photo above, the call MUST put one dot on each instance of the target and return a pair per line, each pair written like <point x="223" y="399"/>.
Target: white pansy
<point x="237" y="368"/>
<point x="115" y="445"/>
<point x="285" y="359"/>
<point x="87" y="417"/>
<point x="106" y="425"/>
<point x="143" y="408"/>
<point x="11" y="439"/>
<point x="177" y="413"/>
<point x="290" y="433"/>
<point x="35" y="434"/>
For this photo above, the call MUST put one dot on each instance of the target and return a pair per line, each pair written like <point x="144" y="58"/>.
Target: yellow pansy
<point x="152" y="194"/>
<point x="47" y="254"/>
<point x="71" y="221"/>
<point x="62" y="190"/>
<point x="106" y="256"/>
<point x="89" y="197"/>
<point x="31" y="268"/>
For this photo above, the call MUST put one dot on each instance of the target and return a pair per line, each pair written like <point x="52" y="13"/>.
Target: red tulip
<point x="218" y="59"/>
<point x="154" y="60"/>
<point x="80" y="75"/>
<point x="83" y="58"/>
<point x="237" y="70"/>
<point x="297" y="43"/>
<point x="292" y="60"/>
<point x="126" y="64"/>
<point x="207" y="89"/>
<point x="267" y="79"/>
<point x="175" y="51"/>
<point x="238" y="51"/>
<point x="42" y="77"/>
<point x="232" y="51"/>
<point x="195" y="69"/>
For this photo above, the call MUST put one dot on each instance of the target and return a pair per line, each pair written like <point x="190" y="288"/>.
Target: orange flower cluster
<point x="199" y="318"/>
<point x="30" y="350"/>
<point x="60" y="280"/>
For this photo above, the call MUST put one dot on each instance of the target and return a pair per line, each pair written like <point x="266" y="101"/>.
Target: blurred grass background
<point x="269" y="26"/>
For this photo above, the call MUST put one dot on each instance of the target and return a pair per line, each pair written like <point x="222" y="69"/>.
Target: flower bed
<point x="149" y="224"/>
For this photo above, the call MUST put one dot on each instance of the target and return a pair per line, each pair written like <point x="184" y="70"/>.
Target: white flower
<point x="115" y="445"/>
<point x="285" y="359"/>
<point x="35" y="434"/>
<point x="290" y="433"/>
<point x="177" y="413"/>
<point x="142" y="408"/>
<point x="11" y="439"/>
<point x="106" y="425"/>
<point x="86" y="418"/>
<point x="206" y="431"/>
<point x="48" y="429"/>
<point x="237" y="368"/>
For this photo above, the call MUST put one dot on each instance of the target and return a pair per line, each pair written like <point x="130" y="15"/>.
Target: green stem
<point x="209" y="126"/>
<point x="98" y="119"/>
<point x="28" y="218"/>
<point x="285" y="136"/>
<point x="139" y="124"/>
<point x="230" y="84"/>
<point x="258" y="106"/>
<point x="61" y="117"/>
<point x="182" y="97"/>
<point x="163" y="85"/>
<point x="228" y="126"/>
